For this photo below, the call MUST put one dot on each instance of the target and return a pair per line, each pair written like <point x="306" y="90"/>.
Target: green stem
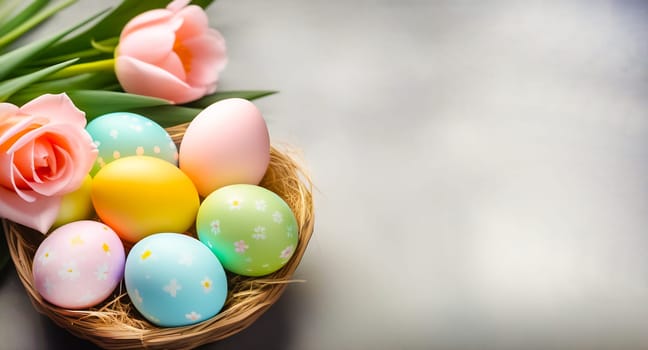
<point x="107" y="46"/>
<point x="89" y="67"/>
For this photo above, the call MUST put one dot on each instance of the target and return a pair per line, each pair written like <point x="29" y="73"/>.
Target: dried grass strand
<point x="115" y="324"/>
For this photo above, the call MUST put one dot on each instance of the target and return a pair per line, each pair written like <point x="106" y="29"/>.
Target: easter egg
<point x="139" y="196"/>
<point x="78" y="265"/>
<point x="76" y="205"/>
<point x="174" y="280"/>
<point x="227" y="143"/>
<point x="121" y="134"/>
<point x="251" y="230"/>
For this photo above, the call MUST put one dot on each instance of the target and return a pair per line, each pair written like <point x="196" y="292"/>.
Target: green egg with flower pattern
<point x="123" y="134"/>
<point x="251" y="230"/>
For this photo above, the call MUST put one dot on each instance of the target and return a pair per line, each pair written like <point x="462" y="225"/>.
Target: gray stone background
<point x="480" y="171"/>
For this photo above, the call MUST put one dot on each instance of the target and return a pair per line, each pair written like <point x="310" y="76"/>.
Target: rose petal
<point x="76" y="143"/>
<point x="145" y="79"/>
<point x="24" y="161"/>
<point x="5" y="168"/>
<point x="7" y="110"/>
<point x="28" y="134"/>
<point x="20" y="126"/>
<point x="18" y="182"/>
<point x="150" y="44"/>
<point x="56" y="108"/>
<point x="38" y="155"/>
<point x="55" y="184"/>
<point x="43" y="150"/>
<point x="71" y="146"/>
<point x="39" y="214"/>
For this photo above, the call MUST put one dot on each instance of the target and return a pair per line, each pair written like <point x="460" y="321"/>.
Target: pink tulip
<point x="170" y="53"/>
<point x="45" y="152"/>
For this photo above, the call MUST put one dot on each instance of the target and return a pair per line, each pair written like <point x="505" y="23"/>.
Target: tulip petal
<point x="195" y="22"/>
<point x="145" y="19"/>
<point x="173" y="65"/>
<point x="209" y="58"/>
<point x="177" y="5"/>
<point x="56" y="108"/>
<point x="39" y="214"/>
<point x="145" y="79"/>
<point x="150" y="45"/>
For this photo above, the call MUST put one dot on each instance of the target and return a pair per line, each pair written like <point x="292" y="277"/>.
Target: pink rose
<point x="45" y="152"/>
<point x="170" y="53"/>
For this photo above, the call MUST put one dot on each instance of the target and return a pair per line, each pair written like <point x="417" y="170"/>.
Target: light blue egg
<point x="123" y="134"/>
<point x="174" y="280"/>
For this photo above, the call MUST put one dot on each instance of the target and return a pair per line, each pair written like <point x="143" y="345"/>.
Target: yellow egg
<point x="75" y="206"/>
<point x="138" y="196"/>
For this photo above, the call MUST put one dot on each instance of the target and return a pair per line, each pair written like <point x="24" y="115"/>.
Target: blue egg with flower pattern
<point x="123" y="134"/>
<point x="174" y="280"/>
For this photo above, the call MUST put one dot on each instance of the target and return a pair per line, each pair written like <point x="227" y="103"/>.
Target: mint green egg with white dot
<point x="251" y="230"/>
<point x="124" y="134"/>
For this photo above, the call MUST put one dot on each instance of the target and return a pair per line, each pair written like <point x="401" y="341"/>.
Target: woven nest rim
<point x="115" y="324"/>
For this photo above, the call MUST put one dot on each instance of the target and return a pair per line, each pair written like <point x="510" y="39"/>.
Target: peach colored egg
<point x="227" y="143"/>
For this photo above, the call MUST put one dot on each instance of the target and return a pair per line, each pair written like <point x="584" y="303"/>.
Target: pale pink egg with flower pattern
<point x="227" y="143"/>
<point x="79" y="264"/>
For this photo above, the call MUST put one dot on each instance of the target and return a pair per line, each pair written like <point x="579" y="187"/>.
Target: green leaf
<point x="9" y="87"/>
<point x="7" y="8"/>
<point x="221" y="95"/>
<point x="110" y="26"/>
<point x="168" y="115"/>
<point x="22" y="16"/>
<point x="32" y="21"/>
<point x="86" y="81"/>
<point x="88" y="55"/>
<point x="97" y="50"/>
<point x="97" y="102"/>
<point x="15" y="58"/>
<point x="173" y="114"/>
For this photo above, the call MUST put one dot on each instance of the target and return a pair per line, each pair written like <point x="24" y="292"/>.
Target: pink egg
<point x="227" y="143"/>
<point x="79" y="264"/>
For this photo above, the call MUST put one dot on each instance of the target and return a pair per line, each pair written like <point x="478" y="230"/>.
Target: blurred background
<point x="480" y="172"/>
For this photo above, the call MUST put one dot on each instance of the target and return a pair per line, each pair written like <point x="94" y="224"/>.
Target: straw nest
<point x="115" y="324"/>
